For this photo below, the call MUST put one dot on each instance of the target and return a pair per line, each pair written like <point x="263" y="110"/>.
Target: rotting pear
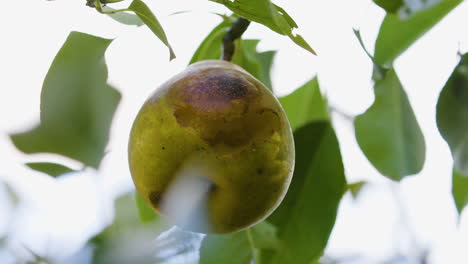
<point x="213" y="125"/>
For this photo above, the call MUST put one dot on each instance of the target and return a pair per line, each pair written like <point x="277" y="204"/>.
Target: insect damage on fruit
<point x="212" y="149"/>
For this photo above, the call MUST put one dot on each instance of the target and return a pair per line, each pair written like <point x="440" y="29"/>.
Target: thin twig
<point x="238" y="28"/>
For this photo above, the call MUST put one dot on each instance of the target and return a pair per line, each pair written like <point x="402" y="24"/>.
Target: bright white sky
<point x="67" y="212"/>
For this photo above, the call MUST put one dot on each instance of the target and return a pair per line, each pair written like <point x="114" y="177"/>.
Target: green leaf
<point x="145" y="14"/>
<point x="144" y="211"/>
<point x="306" y="217"/>
<point x="210" y="48"/>
<point x="452" y="115"/>
<point x="123" y="17"/>
<point x="460" y="190"/>
<point x="240" y="247"/>
<point x="52" y="169"/>
<point x="245" y="55"/>
<point x="397" y="35"/>
<point x="77" y="105"/>
<point x="356" y="188"/>
<point x="388" y="132"/>
<point x="257" y="64"/>
<point x="305" y="105"/>
<point x="268" y="14"/>
<point x="391" y="6"/>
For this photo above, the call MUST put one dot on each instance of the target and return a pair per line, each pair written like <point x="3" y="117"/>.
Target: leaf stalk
<point x="238" y="28"/>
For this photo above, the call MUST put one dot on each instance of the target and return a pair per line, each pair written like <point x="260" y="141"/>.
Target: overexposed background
<point x="56" y="217"/>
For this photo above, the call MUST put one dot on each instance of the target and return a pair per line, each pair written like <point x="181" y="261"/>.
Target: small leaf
<point x="144" y="211"/>
<point x="52" y="169"/>
<point x="77" y="105"/>
<point x="391" y="6"/>
<point x="388" y="132"/>
<point x="268" y="14"/>
<point x="396" y="35"/>
<point x="305" y="218"/>
<point x="452" y="115"/>
<point x="145" y="14"/>
<point x="305" y="105"/>
<point x="123" y="17"/>
<point x="379" y="70"/>
<point x="356" y="188"/>
<point x="240" y="247"/>
<point x="460" y="190"/>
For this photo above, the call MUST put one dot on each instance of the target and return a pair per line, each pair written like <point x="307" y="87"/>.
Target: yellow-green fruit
<point x="212" y="125"/>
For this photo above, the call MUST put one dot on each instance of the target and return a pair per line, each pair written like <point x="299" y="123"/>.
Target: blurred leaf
<point x="397" y="35"/>
<point x="144" y="211"/>
<point x="412" y="7"/>
<point x="391" y="6"/>
<point x="356" y="188"/>
<point x="240" y="247"/>
<point x="406" y="8"/>
<point x="177" y="244"/>
<point x="266" y="61"/>
<point x="127" y="240"/>
<point x="123" y="17"/>
<point x="77" y="105"/>
<point x="145" y="14"/>
<point x="452" y="115"/>
<point x="180" y="12"/>
<point x="265" y="235"/>
<point x="388" y="132"/>
<point x="245" y="55"/>
<point x="305" y="105"/>
<point x="227" y="249"/>
<point x="268" y="14"/>
<point x="11" y="193"/>
<point x="306" y="216"/>
<point x="460" y="190"/>
<point x="52" y="169"/>
<point x="257" y="64"/>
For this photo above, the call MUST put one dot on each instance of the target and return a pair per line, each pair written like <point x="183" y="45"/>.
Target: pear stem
<point x="238" y="28"/>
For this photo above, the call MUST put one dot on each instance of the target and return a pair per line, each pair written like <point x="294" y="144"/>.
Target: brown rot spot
<point x="227" y="87"/>
<point x="213" y="90"/>
<point x="259" y="171"/>
<point x="155" y="198"/>
<point x="163" y="148"/>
